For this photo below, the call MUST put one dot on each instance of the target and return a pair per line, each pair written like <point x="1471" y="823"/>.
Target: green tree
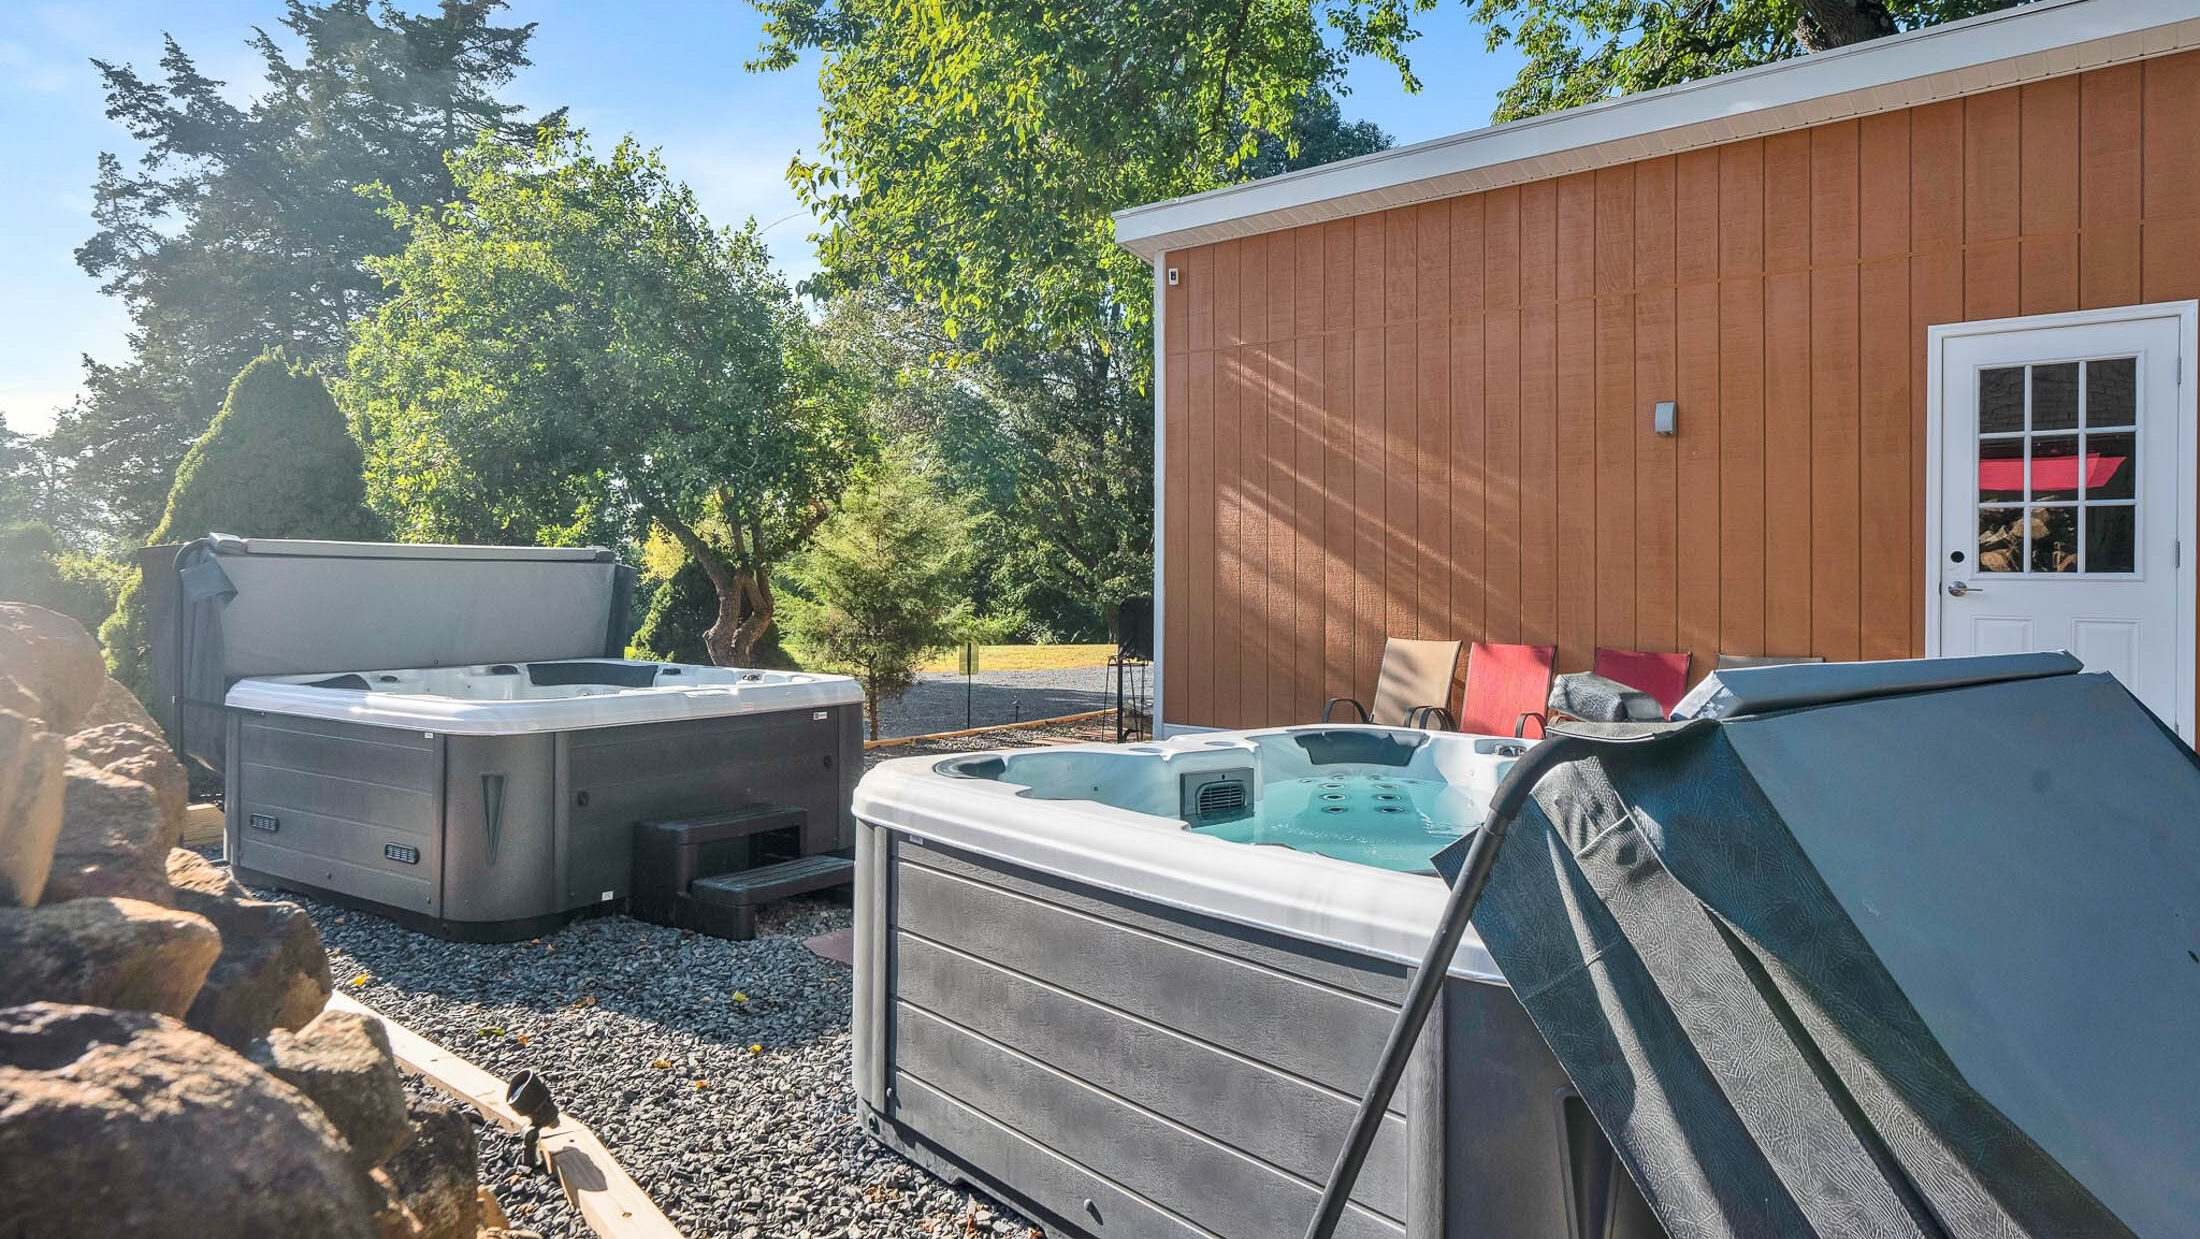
<point x="884" y="585"/>
<point x="241" y="227"/>
<point x="973" y="150"/>
<point x="1581" y="51"/>
<point x="278" y="462"/>
<point x="972" y="156"/>
<point x="573" y="351"/>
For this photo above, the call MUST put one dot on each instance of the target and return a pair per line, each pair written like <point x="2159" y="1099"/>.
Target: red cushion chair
<point x="1506" y="688"/>
<point x="1663" y="676"/>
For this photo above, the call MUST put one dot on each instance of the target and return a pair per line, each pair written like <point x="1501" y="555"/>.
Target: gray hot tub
<point x="489" y="786"/>
<point x="1088" y="984"/>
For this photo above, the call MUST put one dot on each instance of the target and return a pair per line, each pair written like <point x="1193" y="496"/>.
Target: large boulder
<point x="191" y="873"/>
<point x="105" y="953"/>
<point x="31" y="763"/>
<point x="342" y="1061"/>
<point x="273" y="972"/>
<point x="122" y="1123"/>
<point x="52" y="658"/>
<point x="117" y="704"/>
<point x="115" y="838"/>
<point x="139" y="753"/>
<point x="436" y="1175"/>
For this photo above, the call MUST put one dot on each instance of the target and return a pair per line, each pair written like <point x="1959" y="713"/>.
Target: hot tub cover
<point x="1912" y="951"/>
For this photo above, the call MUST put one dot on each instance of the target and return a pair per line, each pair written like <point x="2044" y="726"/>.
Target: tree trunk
<point x="744" y="596"/>
<point x="744" y="616"/>
<point x="1829" y="24"/>
<point x="870" y="707"/>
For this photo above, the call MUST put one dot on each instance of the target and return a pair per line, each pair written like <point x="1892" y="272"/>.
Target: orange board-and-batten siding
<point x="1434" y="421"/>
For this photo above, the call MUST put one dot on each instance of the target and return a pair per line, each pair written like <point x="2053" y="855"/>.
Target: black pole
<point x="1428" y="980"/>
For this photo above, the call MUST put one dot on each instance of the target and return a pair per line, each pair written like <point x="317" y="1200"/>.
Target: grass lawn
<point x="1030" y="657"/>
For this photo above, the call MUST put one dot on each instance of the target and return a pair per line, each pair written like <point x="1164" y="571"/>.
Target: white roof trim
<point x="2049" y="38"/>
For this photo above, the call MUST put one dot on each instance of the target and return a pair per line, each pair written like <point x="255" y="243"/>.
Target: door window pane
<point x="2054" y="467"/>
<point x="2001" y="400"/>
<point x="2111" y="391"/>
<point x="2000" y="539"/>
<point x="2111" y="538"/>
<point x="2055" y="397"/>
<point x="2111" y="466"/>
<point x="2001" y="470"/>
<point x="2054" y="533"/>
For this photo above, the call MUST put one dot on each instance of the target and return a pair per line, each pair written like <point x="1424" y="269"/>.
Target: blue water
<point x="1369" y="819"/>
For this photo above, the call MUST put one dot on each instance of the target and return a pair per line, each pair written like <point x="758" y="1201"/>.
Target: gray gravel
<point x="716" y="1072"/>
<point x="936" y="703"/>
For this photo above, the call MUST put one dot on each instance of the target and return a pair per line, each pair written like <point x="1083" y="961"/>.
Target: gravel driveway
<point x="936" y="703"/>
<point x="716" y="1072"/>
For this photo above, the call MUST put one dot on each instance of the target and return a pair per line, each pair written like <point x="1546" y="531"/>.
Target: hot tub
<point x="495" y="800"/>
<point x="1138" y="991"/>
<point x="489" y="786"/>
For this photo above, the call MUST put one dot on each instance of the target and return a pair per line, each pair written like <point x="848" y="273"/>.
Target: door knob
<point x="1957" y="589"/>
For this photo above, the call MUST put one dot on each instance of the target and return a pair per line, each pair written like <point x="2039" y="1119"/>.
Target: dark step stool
<point x="725" y="905"/>
<point x="670" y="855"/>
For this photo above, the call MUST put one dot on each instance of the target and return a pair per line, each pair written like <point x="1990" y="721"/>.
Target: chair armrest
<point x="1431" y="718"/>
<point x="1334" y="702"/>
<point x="1520" y="725"/>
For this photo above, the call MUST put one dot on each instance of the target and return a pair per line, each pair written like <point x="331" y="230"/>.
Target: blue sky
<point x="668" y="72"/>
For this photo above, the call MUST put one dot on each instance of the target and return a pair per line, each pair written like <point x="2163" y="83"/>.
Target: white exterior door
<point x="2061" y="495"/>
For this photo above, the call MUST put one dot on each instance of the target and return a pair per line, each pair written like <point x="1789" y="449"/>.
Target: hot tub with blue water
<point x="1137" y="990"/>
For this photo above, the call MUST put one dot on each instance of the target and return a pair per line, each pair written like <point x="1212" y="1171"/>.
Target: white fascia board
<point x="2048" y="38"/>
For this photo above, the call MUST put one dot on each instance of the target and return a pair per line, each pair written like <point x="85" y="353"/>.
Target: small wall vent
<point x="1217" y="795"/>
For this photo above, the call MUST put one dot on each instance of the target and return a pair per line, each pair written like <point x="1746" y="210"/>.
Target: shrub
<point x="884" y="585"/>
<point x="277" y="462"/>
<point x="34" y="569"/>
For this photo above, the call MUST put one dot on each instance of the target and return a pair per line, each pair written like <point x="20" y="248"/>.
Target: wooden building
<point x="1924" y="309"/>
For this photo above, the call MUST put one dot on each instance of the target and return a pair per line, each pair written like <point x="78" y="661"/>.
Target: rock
<point x="123" y="1123"/>
<point x="342" y="1061"/>
<point x="16" y="699"/>
<point x="114" y="839"/>
<point x="435" y="1174"/>
<point x="137" y="753"/>
<point x="100" y="952"/>
<point x="272" y="972"/>
<point x="51" y="657"/>
<point x="31" y="784"/>
<point x="117" y="704"/>
<point x="189" y="871"/>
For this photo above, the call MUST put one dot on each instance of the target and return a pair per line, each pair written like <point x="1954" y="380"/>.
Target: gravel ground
<point x="716" y="1072"/>
<point x="936" y="703"/>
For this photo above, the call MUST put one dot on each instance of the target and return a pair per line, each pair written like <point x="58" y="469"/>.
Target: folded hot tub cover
<point x="1913" y="952"/>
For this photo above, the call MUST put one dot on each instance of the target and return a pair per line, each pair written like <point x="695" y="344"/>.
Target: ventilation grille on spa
<point x="1217" y="794"/>
<point x="1219" y="798"/>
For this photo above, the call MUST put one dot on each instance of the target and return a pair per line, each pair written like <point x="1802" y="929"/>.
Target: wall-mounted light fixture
<point x="1172" y="277"/>
<point x="1662" y="418"/>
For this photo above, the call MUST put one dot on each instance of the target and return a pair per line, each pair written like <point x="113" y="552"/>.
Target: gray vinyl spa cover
<point x="1919" y="956"/>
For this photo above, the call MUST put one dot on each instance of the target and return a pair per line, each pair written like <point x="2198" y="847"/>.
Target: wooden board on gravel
<point x="612" y="1204"/>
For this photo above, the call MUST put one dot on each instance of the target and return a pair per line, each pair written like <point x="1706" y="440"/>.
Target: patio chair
<point x="1507" y="685"/>
<point x="1663" y="676"/>
<point x="1412" y="688"/>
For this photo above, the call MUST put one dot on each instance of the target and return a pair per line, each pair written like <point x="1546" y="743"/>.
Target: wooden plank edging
<point x="612" y="1204"/>
<point x="892" y="741"/>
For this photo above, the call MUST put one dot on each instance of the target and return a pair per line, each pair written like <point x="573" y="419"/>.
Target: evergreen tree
<point x="278" y="462"/>
<point x="882" y="587"/>
<point x="239" y="227"/>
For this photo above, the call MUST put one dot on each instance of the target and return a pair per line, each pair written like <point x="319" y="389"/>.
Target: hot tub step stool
<point x="725" y="905"/>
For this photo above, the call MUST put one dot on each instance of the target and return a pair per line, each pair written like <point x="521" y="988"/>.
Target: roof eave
<point x="2049" y="38"/>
